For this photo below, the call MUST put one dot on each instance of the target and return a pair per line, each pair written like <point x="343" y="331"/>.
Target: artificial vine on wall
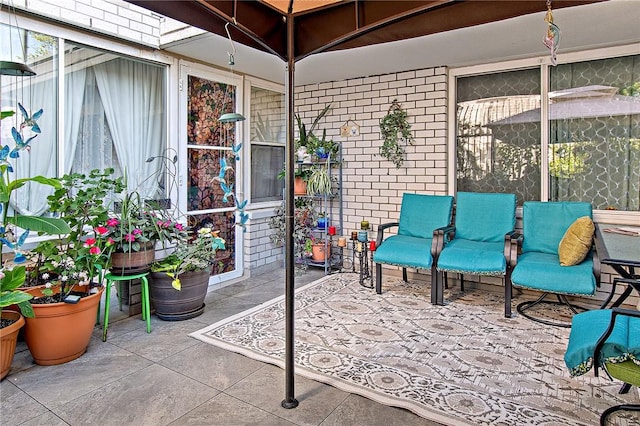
<point x="396" y="134"/>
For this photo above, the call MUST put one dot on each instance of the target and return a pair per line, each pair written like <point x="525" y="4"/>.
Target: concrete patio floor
<point x="169" y="378"/>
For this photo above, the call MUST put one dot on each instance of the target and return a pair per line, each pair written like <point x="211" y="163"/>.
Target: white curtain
<point x="131" y="93"/>
<point x="40" y="159"/>
<point x="74" y="84"/>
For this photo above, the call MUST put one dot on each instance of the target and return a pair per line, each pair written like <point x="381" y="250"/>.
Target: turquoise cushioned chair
<point x="414" y="245"/>
<point x="538" y="266"/>
<point x="609" y="339"/>
<point x="479" y="243"/>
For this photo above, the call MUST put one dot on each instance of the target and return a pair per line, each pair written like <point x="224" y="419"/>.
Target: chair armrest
<point x="381" y="229"/>
<point x="596" y="265"/>
<point x="441" y="237"/>
<point x="512" y="242"/>
<point x="612" y="323"/>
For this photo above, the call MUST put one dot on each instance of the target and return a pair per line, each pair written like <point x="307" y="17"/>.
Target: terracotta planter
<point x="173" y="305"/>
<point x="320" y="253"/>
<point x="134" y="262"/>
<point x="60" y="332"/>
<point x="8" y="339"/>
<point x="299" y="186"/>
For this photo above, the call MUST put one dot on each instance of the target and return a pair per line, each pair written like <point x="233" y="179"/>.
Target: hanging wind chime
<point x="552" y="38"/>
<point x="227" y="120"/>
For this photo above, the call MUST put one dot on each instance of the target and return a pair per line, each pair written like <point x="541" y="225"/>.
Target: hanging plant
<point x="396" y="132"/>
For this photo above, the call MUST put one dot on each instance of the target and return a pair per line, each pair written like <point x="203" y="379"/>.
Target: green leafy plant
<point x="322" y="147"/>
<point x="319" y="182"/>
<point x="10" y="280"/>
<point x="303" y="134"/>
<point x="304" y="221"/>
<point x="396" y="132"/>
<point x="195" y="254"/>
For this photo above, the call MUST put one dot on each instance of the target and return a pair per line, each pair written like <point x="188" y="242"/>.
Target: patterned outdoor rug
<point x="463" y="363"/>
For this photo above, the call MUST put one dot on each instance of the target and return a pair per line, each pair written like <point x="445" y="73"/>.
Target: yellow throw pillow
<point x="576" y="242"/>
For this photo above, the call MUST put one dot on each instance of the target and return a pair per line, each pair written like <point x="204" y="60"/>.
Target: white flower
<point x="1" y="275"/>
<point x="48" y="285"/>
<point x="45" y="276"/>
<point x="64" y="278"/>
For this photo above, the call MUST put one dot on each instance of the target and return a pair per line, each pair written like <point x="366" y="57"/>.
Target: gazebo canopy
<point x="325" y="25"/>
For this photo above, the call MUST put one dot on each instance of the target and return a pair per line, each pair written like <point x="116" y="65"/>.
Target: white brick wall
<point x="110" y="17"/>
<point x="372" y="186"/>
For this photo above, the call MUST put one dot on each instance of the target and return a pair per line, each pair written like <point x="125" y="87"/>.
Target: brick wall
<point x="114" y="18"/>
<point x="372" y="186"/>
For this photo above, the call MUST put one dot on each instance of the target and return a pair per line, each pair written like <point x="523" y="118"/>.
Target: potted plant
<point x="66" y="306"/>
<point x="300" y="178"/>
<point x="323" y="221"/>
<point x="305" y="135"/>
<point x="14" y="229"/>
<point x="179" y="282"/>
<point x="319" y="182"/>
<point x="320" y="251"/>
<point x="134" y="229"/>
<point x="11" y="321"/>
<point x="321" y="147"/>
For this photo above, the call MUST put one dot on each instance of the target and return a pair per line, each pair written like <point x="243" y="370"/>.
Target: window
<point x="594" y="139"/>
<point x="113" y="116"/>
<point x="40" y="53"/>
<point x="592" y="146"/>
<point x="267" y="144"/>
<point x="494" y="153"/>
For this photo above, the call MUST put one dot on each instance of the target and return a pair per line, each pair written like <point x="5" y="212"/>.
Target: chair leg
<point x="611" y="410"/>
<point x="107" y="301"/>
<point x="462" y="282"/>
<point x="378" y="278"/>
<point x="562" y="300"/>
<point x="437" y="289"/>
<point x="508" y="294"/>
<point x="404" y="275"/>
<point x="446" y="280"/>
<point x="146" y="305"/>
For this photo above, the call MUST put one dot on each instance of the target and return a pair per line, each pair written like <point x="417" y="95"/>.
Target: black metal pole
<point x="289" y="400"/>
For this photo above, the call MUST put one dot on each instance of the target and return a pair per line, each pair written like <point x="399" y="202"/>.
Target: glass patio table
<point x="619" y="247"/>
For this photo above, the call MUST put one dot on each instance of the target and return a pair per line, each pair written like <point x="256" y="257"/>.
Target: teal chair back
<point x="420" y="214"/>
<point x="545" y="223"/>
<point x="485" y="217"/>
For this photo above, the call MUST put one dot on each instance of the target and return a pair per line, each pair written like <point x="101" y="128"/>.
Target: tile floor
<point x="169" y="378"/>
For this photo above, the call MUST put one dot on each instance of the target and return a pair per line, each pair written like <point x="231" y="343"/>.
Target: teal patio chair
<point x="415" y="244"/>
<point x="607" y="339"/>
<point x="480" y="242"/>
<point x="538" y="266"/>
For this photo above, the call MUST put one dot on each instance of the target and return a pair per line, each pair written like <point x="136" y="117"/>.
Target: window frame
<point x="542" y="62"/>
<point x="251" y="82"/>
<point x="109" y="45"/>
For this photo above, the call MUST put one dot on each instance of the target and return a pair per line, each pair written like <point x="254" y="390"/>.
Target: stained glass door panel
<point x="211" y="166"/>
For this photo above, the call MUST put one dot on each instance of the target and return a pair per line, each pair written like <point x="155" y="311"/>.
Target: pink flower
<point x="137" y="231"/>
<point x="110" y="241"/>
<point x="90" y="242"/>
<point x="113" y="222"/>
<point x="179" y="227"/>
<point x="130" y="238"/>
<point x="95" y="250"/>
<point x="101" y="230"/>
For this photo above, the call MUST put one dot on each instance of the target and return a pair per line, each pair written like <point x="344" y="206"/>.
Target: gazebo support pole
<point x="289" y="401"/>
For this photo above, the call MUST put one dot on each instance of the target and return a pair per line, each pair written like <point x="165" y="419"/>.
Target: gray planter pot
<point x="173" y="305"/>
